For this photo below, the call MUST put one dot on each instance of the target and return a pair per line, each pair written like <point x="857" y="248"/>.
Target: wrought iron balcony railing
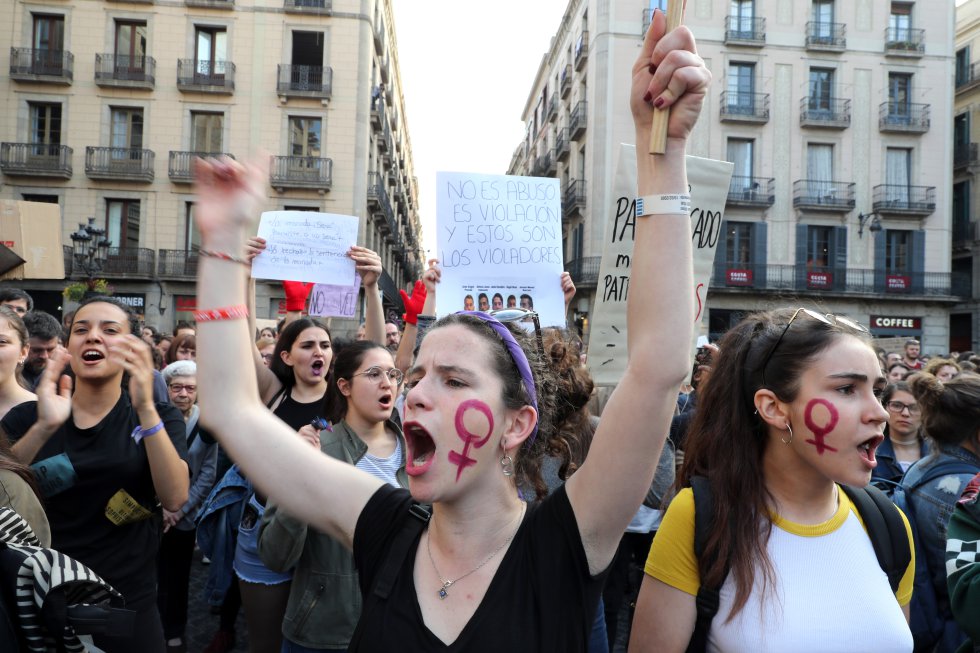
<point x="740" y="30"/>
<point x="818" y="195"/>
<point x="177" y="263"/>
<point x="204" y="76"/>
<point x="577" y="120"/>
<point x="301" y="172"/>
<point x="822" y="35"/>
<point x="820" y="111"/>
<point x="903" y="117"/>
<point x="905" y="41"/>
<point x="120" y="263"/>
<point x="751" y="191"/>
<point x="121" y="163"/>
<point x="584" y="271"/>
<point x="125" y="70"/>
<point x="965" y="154"/>
<point x="581" y="50"/>
<point x="42" y="65"/>
<point x="181" y="164"/>
<point x="565" y="82"/>
<point x="305" y="81"/>
<point x="307" y="6"/>
<point x="904" y="200"/>
<point x="562" y="147"/>
<point x="36" y="160"/>
<point x="739" y="106"/>
<point x="573" y="199"/>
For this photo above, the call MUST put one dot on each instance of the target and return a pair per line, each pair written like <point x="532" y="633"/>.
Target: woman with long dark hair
<point x="325" y="600"/>
<point x="110" y="458"/>
<point x="904" y="443"/>
<point x="789" y="414"/>
<point x="485" y="571"/>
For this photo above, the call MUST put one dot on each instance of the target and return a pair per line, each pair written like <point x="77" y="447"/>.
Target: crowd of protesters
<point x="441" y="484"/>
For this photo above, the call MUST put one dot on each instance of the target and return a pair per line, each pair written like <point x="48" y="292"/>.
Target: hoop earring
<point x="507" y="465"/>
<point x="790" y="429"/>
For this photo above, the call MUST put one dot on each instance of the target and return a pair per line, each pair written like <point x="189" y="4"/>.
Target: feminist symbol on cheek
<point x="820" y="432"/>
<point x="462" y="459"/>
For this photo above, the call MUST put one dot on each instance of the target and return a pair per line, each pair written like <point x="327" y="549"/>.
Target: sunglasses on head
<point x="828" y="319"/>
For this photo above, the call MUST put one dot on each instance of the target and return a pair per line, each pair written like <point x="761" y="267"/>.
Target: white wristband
<point x="663" y="205"/>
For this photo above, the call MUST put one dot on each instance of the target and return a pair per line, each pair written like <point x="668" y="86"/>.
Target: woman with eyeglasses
<point x="950" y="417"/>
<point x="903" y="444"/>
<point x="481" y="571"/>
<point x="325" y="600"/>
<point x="789" y="414"/>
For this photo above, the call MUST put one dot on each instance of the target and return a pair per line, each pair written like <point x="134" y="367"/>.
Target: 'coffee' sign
<point x="898" y="283"/>
<point x="895" y="322"/>
<point x="739" y="277"/>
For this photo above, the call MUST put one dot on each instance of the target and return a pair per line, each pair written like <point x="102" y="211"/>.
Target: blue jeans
<point x="292" y="647"/>
<point x="599" y="639"/>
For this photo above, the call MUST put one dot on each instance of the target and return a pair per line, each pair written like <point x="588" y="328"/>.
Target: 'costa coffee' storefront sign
<point x="895" y="324"/>
<point x="739" y="277"/>
<point x="819" y="279"/>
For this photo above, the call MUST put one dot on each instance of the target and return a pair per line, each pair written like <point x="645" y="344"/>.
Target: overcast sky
<point x="467" y="68"/>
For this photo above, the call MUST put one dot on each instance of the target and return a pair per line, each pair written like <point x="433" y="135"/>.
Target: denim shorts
<point x="248" y="566"/>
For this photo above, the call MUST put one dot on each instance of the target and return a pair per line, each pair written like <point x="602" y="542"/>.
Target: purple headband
<point x="517" y="354"/>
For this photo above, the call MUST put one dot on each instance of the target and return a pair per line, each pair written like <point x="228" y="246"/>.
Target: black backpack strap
<point x="385" y="579"/>
<point x="708" y="598"/>
<point x="886" y="530"/>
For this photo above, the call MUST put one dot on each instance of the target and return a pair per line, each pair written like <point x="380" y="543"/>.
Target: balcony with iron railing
<point x="965" y="154"/>
<point x="562" y="147"/>
<point x="841" y="281"/>
<point x="905" y="42"/>
<point x="211" y="4"/>
<point x="307" y="6"/>
<point x="751" y="192"/>
<point x="304" y="81"/>
<point x="120" y="263"/>
<point x="818" y="195"/>
<point x="543" y="165"/>
<point x="553" y="108"/>
<point x="119" y="163"/>
<point x="301" y="172"/>
<point x="899" y="200"/>
<point x="123" y="70"/>
<point x="740" y="30"/>
<point x="903" y="117"/>
<point x="565" y="81"/>
<point x="825" y="37"/>
<point x="42" y="65"/>
<point x="584" y="271"/>
<point x="377" y="113"/>
<point x="738" y="106"/>
<point x="180" y="167"/>
<point x="35" y="160"/>
<point x="573" y="199"/>
<point x="177" y="264"/>
<point x="204" y="76"/>
<point x="967" y="78"/>
<point x="577" y="120"/>
<point x="581" y="50"/>
<point x="828" y="113"/>
<point x="379" y="203"/>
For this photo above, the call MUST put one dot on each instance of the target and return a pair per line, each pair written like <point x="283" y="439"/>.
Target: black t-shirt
<point x="542" y="597"/>
<point x="298" y="415"/>
<point x="98" y="492"/>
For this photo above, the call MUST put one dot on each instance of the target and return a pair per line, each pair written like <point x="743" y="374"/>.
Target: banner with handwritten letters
<point x="499" y="244"/>
<point x="335" y="301"/>
<point x="306" y="246"/>
<point x="708" y="180"/>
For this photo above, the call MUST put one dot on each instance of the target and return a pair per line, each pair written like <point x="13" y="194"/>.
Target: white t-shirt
<point x="385" y="469"/>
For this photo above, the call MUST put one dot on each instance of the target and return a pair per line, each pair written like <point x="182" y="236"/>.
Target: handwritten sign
<point x="305" y="246"/>
<point x="709" y="182"/>
<point x="334" y="301"/>
<point x="499" y="244"/>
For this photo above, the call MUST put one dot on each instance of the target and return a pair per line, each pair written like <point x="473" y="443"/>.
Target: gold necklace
<point x="446" y="584"/>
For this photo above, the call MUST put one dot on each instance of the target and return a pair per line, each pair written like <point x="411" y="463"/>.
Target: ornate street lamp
<point x="90" y="248"/>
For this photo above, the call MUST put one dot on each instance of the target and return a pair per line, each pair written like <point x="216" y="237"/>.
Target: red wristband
<point x="226" y="313"/>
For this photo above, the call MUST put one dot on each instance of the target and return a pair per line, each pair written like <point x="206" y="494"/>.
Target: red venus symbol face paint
<point x="820" y="432"/>
<point x="462" y="459"/>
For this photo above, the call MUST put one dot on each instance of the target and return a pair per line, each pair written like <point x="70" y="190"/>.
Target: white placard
<point x="306" y="246"/>
<point x="499" y="236"/>
<point x="709" y="181"/>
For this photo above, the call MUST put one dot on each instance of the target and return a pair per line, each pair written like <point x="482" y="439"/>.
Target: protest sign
<point x="499" y="244"/>
<point x="334" y="301"/>
<point x="708" y="182"/>
<point x="306" y="246"/>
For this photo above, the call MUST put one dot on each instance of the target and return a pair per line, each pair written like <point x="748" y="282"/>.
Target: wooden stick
<point x="658" y="132"/>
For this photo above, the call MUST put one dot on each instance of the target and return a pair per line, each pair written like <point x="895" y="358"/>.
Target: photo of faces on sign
<point x="486" y="299"/>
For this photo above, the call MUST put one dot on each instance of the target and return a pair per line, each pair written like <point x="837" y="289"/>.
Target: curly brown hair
<point x="573" y="428"/>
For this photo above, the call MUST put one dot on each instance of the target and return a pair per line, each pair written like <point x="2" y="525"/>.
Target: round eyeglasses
<point x="899" y="407"/>
<point x="375" y="374"/>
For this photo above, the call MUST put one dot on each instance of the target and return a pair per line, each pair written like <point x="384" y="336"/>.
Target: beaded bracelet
<point x="226" y="313"/>
<point x="224" y="256"/>
<point x="139" y="433"/>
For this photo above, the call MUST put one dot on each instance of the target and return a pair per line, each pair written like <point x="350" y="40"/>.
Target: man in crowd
<point x="44" y="335"/>
<point x="18" y="300"/>
<point x="911" y="358"/>
<point x="393" y="336"/>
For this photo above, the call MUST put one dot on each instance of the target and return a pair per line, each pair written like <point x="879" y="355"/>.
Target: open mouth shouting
<point x="867" y="450"/>
<point x="92" y="356"/>
<point x="317" y="368"/>
<point x="421" y="449"/>
<point x="386" y="401"/>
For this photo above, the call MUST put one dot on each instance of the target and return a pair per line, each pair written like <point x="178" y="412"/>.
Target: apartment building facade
<point x="838" y="118"/>
<point x="107" y="103"/>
